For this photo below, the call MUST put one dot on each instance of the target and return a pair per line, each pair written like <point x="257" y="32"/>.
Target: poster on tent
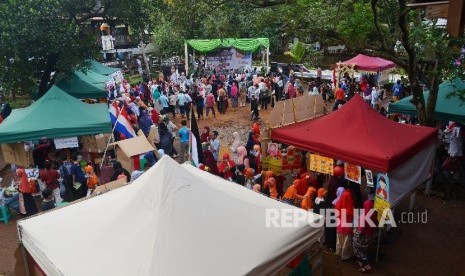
<point x="382" y="186"/>
<point x="321" y="164"/>
<point x="353" y="173"/>
<point x="369" y="176"/>
<point x="381" y="205"/>
<point x="272" y="150"/>
<point x="227" y="59"/>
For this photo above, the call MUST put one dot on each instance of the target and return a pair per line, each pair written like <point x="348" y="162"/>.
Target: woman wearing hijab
<point x="307" y="202"/>
<point x="234" y="95"/>
<point x="291" y="196"/>
<point x="237" y="142"/>
<point x="226" y="167"/>
<point x="363" y="235"/>
<point x="205" y="136"/>
<point x="266" y="184"/>
<point x="345" y="205"/>
<point x="165" y="138"/>
<point x="241" y="155"/>
<point x="27" y="205"/>
<point x="210" y="162"/>
<point x="250" y="142"/>
<point x="145" y="123"/>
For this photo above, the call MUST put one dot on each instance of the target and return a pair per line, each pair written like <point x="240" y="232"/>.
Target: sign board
<point x="66" y="143"/>
<point x="321" y="164"/>
<point x="273" y="164"/>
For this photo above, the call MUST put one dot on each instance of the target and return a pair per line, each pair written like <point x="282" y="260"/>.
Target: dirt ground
<point x="433" y="248"/>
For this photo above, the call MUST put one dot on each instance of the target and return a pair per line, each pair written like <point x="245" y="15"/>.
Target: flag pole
<point x="190" y="135"/>
<point x="112" y="134"/>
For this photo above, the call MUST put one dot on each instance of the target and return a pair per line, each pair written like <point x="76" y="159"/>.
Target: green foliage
<point x="39" y="37"/>
<point x="297" y="52"/>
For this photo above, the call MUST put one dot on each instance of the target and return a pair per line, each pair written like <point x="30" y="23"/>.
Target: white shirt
<point x="374" y="97"/>
<point x="456" y="143"/>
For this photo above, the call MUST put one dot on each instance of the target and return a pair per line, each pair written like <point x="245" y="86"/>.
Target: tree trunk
<point x="433" y="96"/>
<point x="50" y="67"/>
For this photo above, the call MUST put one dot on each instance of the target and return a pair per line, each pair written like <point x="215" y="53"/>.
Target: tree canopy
<point x="39" y="37"/>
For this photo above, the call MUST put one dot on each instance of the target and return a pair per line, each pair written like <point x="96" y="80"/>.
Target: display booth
<point x="358" y="135"/>
<point x="364" y="65"/>
<point x="229" y="57"/>
<point x="173" y="220"/>
<point x="55" y="115"/>
<point x="448" y="107"/>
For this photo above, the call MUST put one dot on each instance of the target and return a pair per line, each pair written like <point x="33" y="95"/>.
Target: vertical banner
<point x="382" y="194"/>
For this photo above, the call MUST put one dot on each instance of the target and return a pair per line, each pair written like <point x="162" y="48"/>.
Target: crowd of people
<point x="156" y="103"/>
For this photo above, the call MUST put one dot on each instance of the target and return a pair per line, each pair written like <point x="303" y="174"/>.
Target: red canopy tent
<point x="370" y="64"/>
<point x="359" y="135"/>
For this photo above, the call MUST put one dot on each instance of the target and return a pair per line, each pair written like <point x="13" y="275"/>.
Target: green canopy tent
<point x="99" y="68"/>
<point x="93" y="77"/>
<point x="55" y="115"/>
<point x="83" y="86"/>
<point x="243" y="44"/>
<point x="447" y="108"/>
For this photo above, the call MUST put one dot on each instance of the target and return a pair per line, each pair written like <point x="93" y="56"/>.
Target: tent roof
<point x="370" y="64"/>
<point x="102" y="69"/>
<point x="447" y="109"/>
<point x="55" y="115"/>
<point x="243" y="44"/>
<point x="82" y="86"/>
<point x="357" y="134"/>
<point x="173" y="220"/>
<point x="92" y="77"/>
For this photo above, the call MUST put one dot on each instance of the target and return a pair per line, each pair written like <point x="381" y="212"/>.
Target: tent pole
<point x="186" y="61"/>
<point x="377" y="247"/>
<point x="108" y="143"/>
<point x="267" y="59"/>
<point x="190" y="135"/>
<point x="23" y="251"/>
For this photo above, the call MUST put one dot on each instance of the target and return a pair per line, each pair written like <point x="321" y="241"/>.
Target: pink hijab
<point x="234" y="89"/>
<point x="241" y="153"/>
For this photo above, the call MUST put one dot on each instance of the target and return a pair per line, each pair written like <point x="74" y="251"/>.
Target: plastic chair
<point x="5" y="214"/>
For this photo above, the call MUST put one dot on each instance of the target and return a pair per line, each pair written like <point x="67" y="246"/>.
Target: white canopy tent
<point x="173" y="220"/>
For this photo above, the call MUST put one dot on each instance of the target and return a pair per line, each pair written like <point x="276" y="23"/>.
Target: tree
<point x="40" y="37"/>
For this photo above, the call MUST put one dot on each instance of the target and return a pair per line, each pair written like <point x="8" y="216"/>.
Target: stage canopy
<point x="173" y="220"/>
<point x="55" y="115"/>
<point x="99" y="68"/>
<point x="243" y="44"/>
<point x="371" y="65"/>
<point x="447" y="108"/>
<point x="359" y="135"/>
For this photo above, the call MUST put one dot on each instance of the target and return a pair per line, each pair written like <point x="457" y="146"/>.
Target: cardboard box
<point x="109" y="186"/>
<point x="129" y="148"/>
<point x="95" y="143"/>
<point x="15" y="154"/>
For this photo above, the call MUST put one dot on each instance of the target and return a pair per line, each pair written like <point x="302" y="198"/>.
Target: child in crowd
<point x="47" y="203"/>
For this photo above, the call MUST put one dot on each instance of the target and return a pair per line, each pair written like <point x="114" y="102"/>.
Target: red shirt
<point x="340" y="94"/>
<point x="223" y="171"/>
<point x="365" y="229"/>
<point x="50" y="178"/>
